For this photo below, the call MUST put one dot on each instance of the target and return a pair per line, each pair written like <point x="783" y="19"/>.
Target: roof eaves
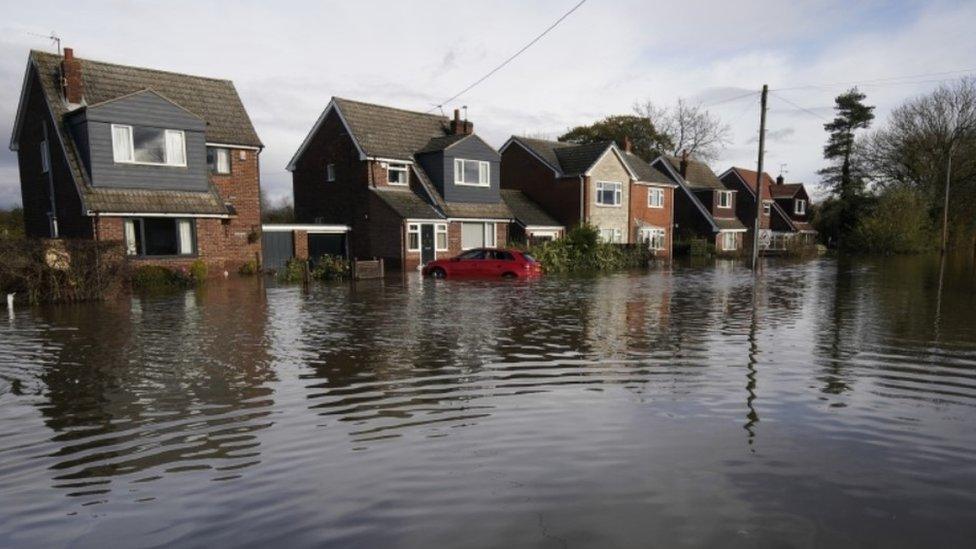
<point x="684" y="187"/>
<point x="612" y="147"/>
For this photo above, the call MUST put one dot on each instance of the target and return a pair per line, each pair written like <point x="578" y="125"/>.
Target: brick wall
<point x="657" y="217"/>
<point x="300" y="244"/>
<point x="239" y="240"/>
<point x="559" y="197"/>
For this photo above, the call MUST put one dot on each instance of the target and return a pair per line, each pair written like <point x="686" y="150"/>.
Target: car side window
<point x="473" y="254"/>
<point x="504" y="256"/>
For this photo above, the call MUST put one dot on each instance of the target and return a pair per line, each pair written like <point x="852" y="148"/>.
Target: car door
<point x="468" y="263"/>
<point x="502" y="262"/>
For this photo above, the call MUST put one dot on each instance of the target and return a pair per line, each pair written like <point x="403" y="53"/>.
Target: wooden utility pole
<point x="945" y="206"/>
<point x="759" y="173"/>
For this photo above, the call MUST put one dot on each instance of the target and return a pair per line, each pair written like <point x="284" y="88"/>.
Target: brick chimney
<point x="779" y="179"/>
<point x="72" y="85"/>
<point x="461" y="127"/>
<point x="628" y="144"/>
<point x="684" y="164"/>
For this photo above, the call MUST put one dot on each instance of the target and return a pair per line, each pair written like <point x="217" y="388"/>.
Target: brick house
<point x="776" y="228"/>
<point x="166" y="163"/>
<point x="593" y="183"/>
<point x="412" y="186"/>
<point x="794" y="200"/>
<point x="703" y="206"/>
<point x="530" y="222"/>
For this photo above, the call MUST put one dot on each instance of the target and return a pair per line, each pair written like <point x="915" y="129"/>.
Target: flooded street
<point x="834" y="405"/>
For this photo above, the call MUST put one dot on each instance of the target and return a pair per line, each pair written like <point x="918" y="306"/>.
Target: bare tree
<point x="689" y="127"/>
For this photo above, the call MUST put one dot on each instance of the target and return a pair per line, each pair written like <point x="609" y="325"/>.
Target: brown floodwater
<point x="831" y="404"/>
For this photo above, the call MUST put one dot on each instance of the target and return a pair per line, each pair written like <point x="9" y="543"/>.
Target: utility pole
<point x="945" y="206"/>
<point x="759" y="178"/>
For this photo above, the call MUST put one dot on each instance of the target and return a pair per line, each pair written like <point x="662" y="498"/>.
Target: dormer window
<point x="475" y="173"/>
<point x="397" y="173"/>
<point x="799" y="206"/>
<point x="725" y="199"/>
<point x="145" y="145"/>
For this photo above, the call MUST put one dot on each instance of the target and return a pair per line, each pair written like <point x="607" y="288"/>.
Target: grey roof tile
<point x="406" y="203"/>
<point x="525" y="211"/>
<point x="387" y="132"/>
<point x="699" y="175"/>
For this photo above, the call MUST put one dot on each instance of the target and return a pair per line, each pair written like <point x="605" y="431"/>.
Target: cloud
<point x="289" y="58"/>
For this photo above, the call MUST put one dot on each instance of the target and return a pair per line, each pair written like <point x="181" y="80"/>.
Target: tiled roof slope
<point x="749" y="178"/>
<point x="387" y="132"/>
<point x="646" y="172"/>
<point x="567" y="158"/>
<point x="786" y="190"/>
<point x="699" y="175"/>
<point x="526" y="211"/>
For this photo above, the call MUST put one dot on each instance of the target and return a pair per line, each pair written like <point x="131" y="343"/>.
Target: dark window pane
<point x="161" y="236"/>
<point x="149" y="144"/>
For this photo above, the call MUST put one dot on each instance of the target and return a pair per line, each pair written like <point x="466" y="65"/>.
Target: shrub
<point x="198" y="270"/>
<point x="330" y="267"/>
<point x="582" y="250"/>
<point x="293" y="271"/>
<point x="898" y="224"/>
<point x="248" y="269"/>
<point x="59" y="271"/>
<point x="155" y="277"/>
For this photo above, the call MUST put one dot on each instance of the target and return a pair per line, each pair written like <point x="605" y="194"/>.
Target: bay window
<point x="477" y="235"/>
<point x="397" y="173"/>
<point x="145" y="145"/>
<point x="655" y="198"/>
<point x="159" y="236"/>
<point x="218" y="160"/>
<point x="608" y="193"/>
<point x="475" y="173"/>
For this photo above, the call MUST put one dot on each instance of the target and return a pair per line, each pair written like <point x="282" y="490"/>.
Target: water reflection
<point x="589" y="410"/>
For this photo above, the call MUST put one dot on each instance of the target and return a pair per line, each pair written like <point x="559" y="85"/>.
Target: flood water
<point x="832" y="404"/>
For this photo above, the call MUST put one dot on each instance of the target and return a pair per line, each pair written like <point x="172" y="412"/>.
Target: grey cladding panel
<point x="105" y="172"/>
<point x="145" y="109"/>
<point x="471" y="149"/>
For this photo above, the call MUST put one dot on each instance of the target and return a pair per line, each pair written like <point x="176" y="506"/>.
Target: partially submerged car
<point x="485" y="262"/>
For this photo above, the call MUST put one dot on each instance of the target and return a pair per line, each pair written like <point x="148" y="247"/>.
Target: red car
<point x="485" y="262"/>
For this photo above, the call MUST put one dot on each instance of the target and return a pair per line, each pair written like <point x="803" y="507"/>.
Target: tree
<point x="645" y="139"/>
<point x="688" y="128"/>
<point x="845" y="179"/>
<point x="282" y="211"/>
<point x="12" y="223"/>
<point x="916" y="145"/>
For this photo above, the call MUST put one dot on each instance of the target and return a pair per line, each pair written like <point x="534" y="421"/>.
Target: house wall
<point x="739" y="242"/>
<point x="745" y="203"/>
<point x="789" y="207"/>
<point x="610" y="169"/>
<point x="34" y="183"/>
<point x="657" y="217"/>
<point x="560" y="197"/>
<point x="470" y="149"/>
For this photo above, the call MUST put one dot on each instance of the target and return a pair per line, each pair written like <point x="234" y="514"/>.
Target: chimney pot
<point x="69" y="54"/>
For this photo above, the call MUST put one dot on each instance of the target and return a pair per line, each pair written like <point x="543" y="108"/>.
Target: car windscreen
<point x="530" y="258"/>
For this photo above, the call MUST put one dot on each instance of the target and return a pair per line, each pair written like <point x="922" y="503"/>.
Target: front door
<point x="426" y="243"/>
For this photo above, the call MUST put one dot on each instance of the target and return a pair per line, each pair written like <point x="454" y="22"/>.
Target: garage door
<point x="326" y="244"/>
<point x="279" y="247"/>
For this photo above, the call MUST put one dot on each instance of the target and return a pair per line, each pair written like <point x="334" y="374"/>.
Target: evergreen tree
<point x="843" y="177"/>
<point x="647" y="142"/>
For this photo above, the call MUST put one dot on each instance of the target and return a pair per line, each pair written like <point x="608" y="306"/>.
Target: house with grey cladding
<point x="411" y="186"/>
<point x="165" y="163"/>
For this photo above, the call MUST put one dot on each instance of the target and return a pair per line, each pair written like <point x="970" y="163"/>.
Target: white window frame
<point x="441" y="229"/>
<point x="489" y="235"/>
<point x="484" y="173"/>
<point x="767" y="207"/>
<point x="729" y="243"/>
<point x="616" y="235"/>
<point x="601" y="186"/>
<point x="655" y="198"/>
<point x="727" y="195"/>
<point x="799" y="207"/>
<point x="216" y="170"/>
<point x="45" y="157"/>
<point x="398" y="167"/>
<point x="653" y="233"/>
<point x="413" y="228"/>
<point x="131" y="159"/>
<point x="330" y="172"/>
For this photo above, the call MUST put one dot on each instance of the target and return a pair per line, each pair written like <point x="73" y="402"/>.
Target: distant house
<point x="412" y="186"/>
<point x="166" y="163"/>
<point x="703" y="206"/>
<point x="794" y="200"/>
<point x="531" y="223"/>
<point x="776" y="227"/>
<point x="596" y="184"/>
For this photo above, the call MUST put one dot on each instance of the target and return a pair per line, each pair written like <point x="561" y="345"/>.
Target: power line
<point x="731" y="99"/>
<point x="511" y="58"/>
<point x="804" y="109"/>
<point x="880" y="81"/>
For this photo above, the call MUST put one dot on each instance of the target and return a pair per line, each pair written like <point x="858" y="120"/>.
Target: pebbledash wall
<point x="223" y="244"/>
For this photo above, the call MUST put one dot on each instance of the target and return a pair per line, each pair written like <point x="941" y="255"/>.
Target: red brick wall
<point x="559" y="197"/>
<point x="658" y="217"/>
<point x="34" y="184"/>
<point x="239" y="240"/>
<point x="300" y="244"/>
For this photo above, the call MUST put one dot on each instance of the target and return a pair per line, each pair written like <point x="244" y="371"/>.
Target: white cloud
<point x="287" y="59"/>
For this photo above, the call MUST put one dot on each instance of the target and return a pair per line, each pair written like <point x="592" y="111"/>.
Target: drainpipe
<point x="50" y="184"/>
<point x="582" y="179"/>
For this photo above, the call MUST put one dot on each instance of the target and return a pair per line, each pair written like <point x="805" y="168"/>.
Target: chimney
<point x="628" y="145"/>
<point x="72" y="86"/>
<point x="461" y="127"/>
<point x="684" y="164"/>
<point x="779" y="179"/>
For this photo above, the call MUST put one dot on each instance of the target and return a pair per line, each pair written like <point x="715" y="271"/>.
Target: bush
<point x="582" y="250"/>
<point x="154" y="277"/>
<point x="330" y="267"/>
<point x="293" y="271"/>
<point x="60" y="271"/>
<point x="248" y="269"/>
<point x="897" y="224"/>
<point x="198" y="271"/>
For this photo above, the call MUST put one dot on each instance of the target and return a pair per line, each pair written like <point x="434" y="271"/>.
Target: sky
<point x="288" y="58"/>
